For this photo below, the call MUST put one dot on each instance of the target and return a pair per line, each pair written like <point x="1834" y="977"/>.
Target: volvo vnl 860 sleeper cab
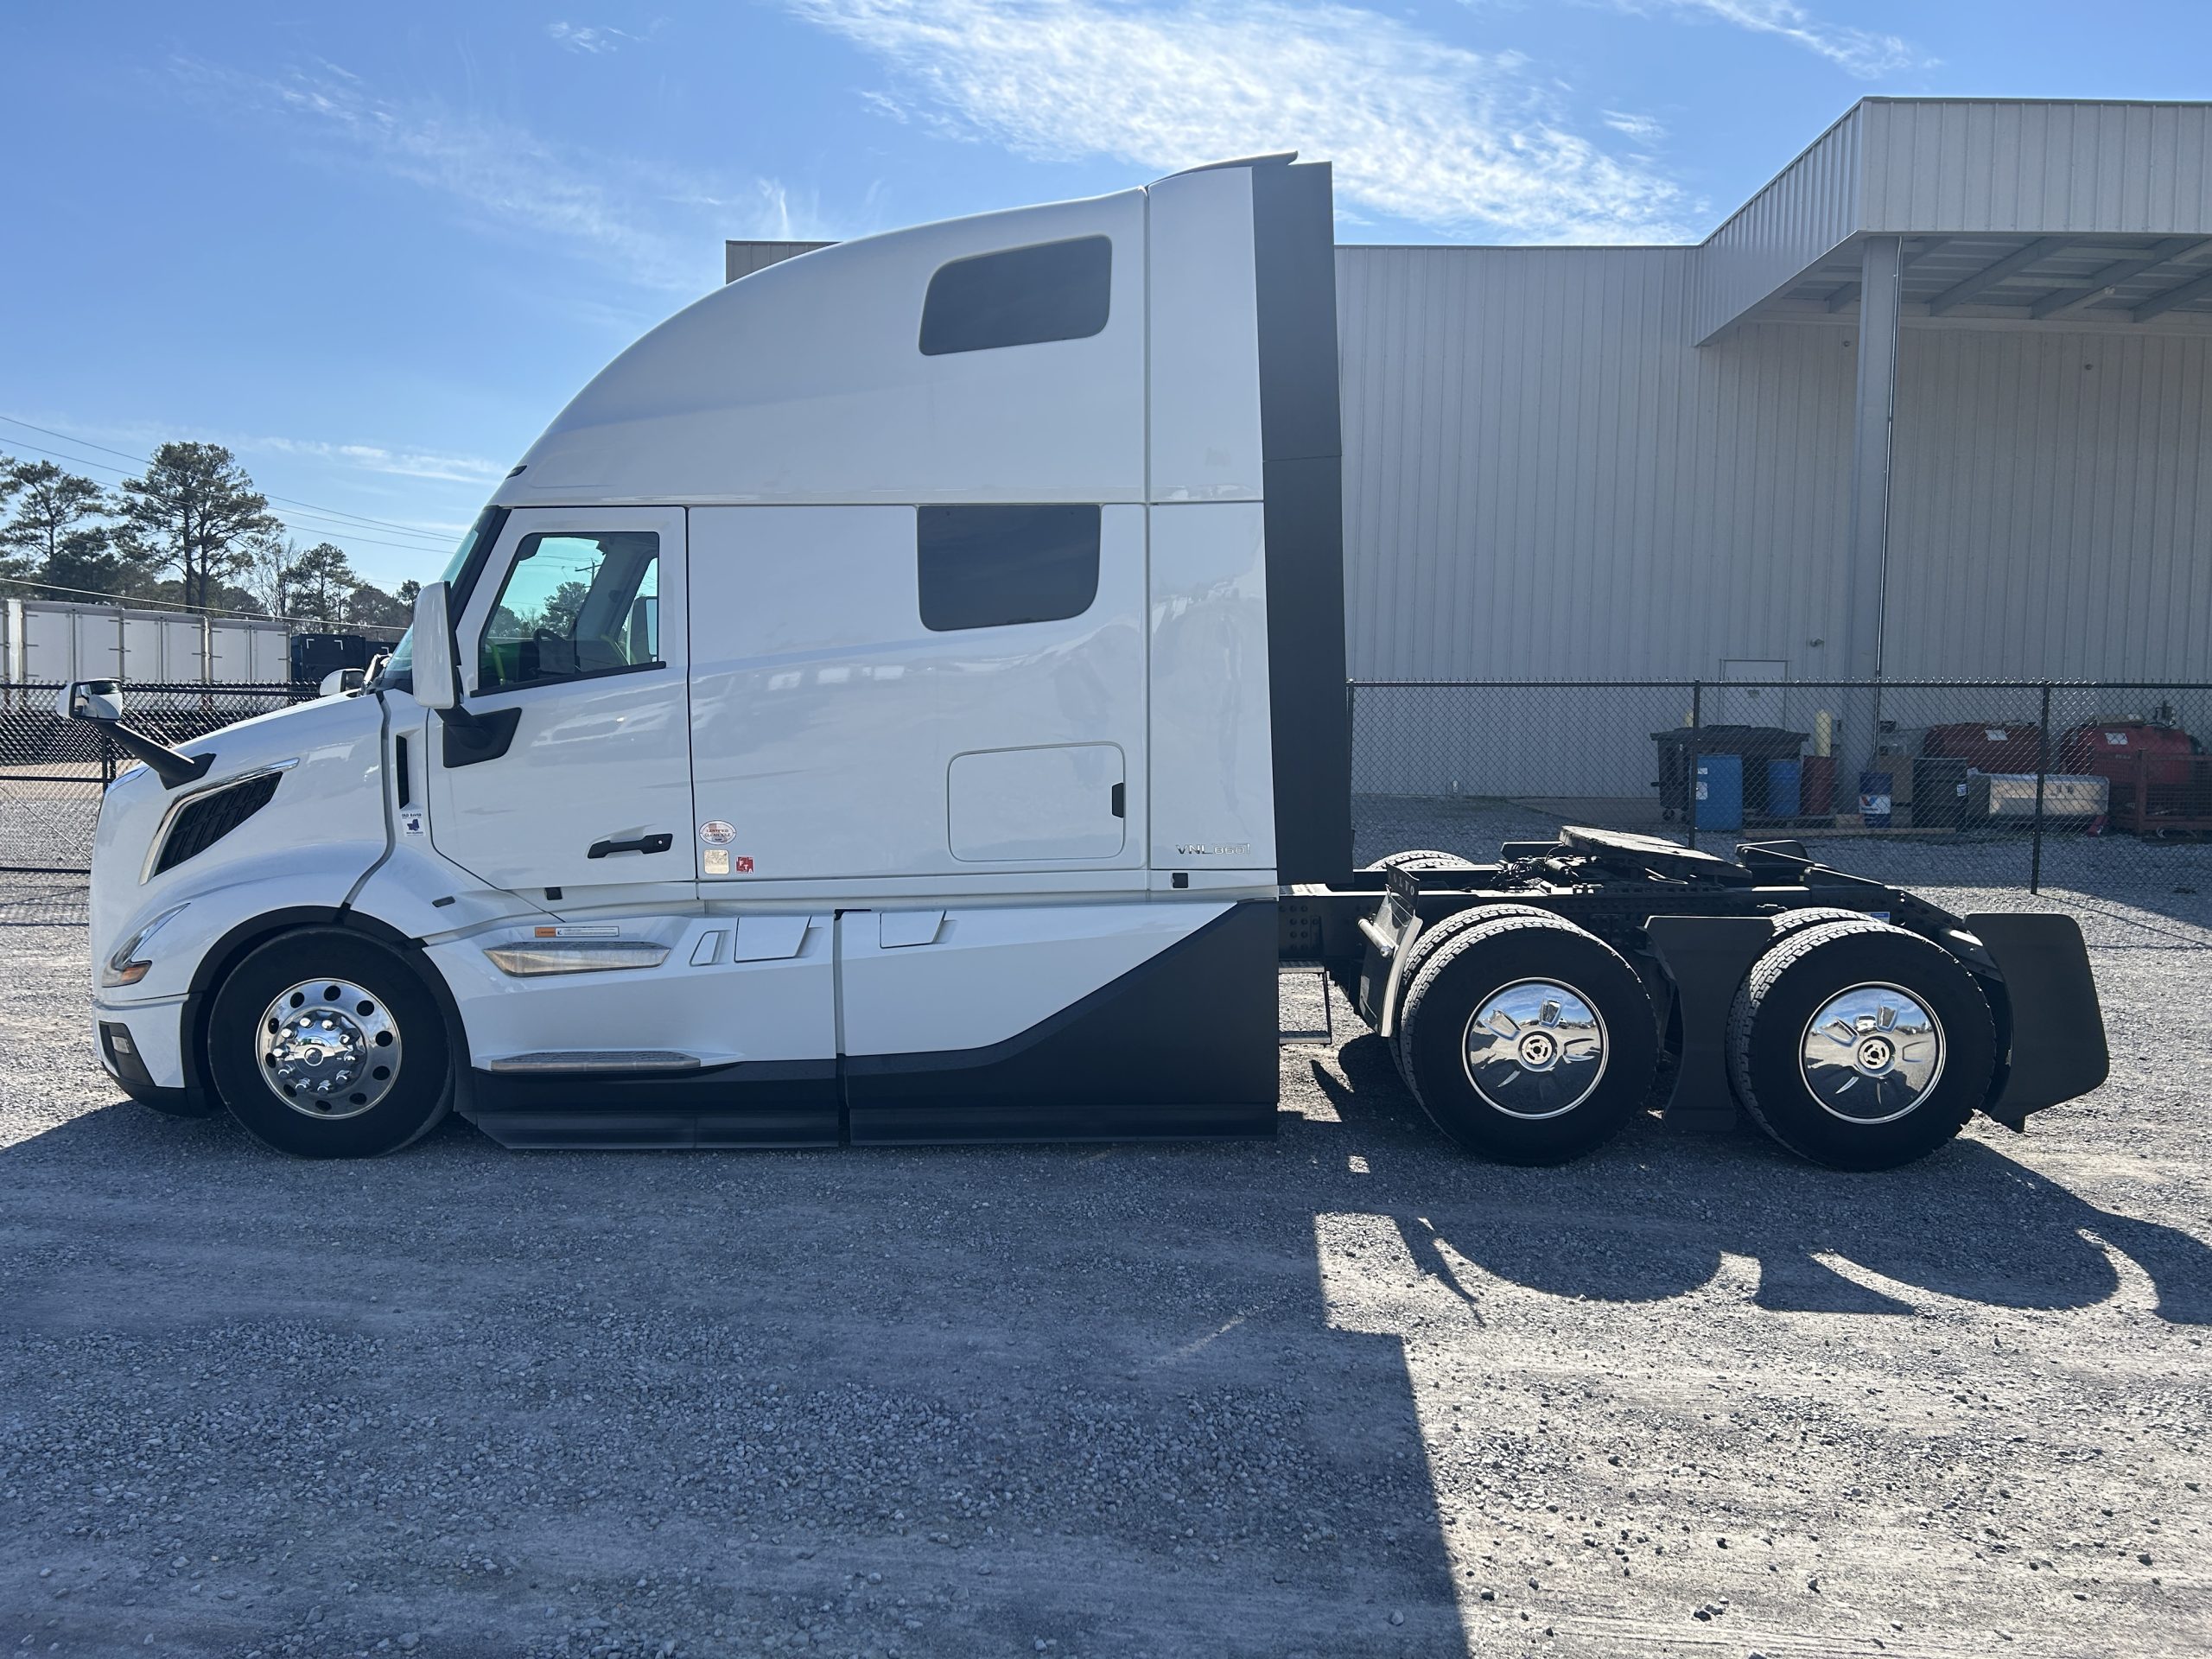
<point x="902" y="699"/>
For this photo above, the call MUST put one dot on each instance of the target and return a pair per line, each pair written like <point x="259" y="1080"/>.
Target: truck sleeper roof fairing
<point x="818" y="380"/>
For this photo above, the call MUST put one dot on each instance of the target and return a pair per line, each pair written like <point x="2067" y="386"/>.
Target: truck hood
<point x="320" y="830"/>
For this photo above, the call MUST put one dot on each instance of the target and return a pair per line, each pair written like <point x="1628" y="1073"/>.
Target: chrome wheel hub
<point x="1871" y="1053"/>
<point x="328" y="1049"/>
<point x="1534" y="1049"/>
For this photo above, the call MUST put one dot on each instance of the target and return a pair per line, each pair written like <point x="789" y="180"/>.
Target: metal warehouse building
<point x="1657" y="461"/>
<point x="1936" y="404"/>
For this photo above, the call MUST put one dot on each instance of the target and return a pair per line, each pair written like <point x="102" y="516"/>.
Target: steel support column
<point x="1867" y="560"/>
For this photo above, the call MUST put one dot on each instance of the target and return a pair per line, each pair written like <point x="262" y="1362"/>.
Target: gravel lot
<point x="1343" y="1393"/>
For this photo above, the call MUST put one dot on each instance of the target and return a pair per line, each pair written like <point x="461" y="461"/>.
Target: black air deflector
<point x="1301" y="437"/>
<point x="205" y="819"/>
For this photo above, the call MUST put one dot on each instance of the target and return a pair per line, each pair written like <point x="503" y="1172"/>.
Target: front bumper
<point x="141" y="1047"/>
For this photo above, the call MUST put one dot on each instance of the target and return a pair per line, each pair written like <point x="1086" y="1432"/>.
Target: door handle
<point x="659" y="843"/>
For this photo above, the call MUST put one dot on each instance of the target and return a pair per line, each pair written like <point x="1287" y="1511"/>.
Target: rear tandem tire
<point x="1860" y="1045"/>
<point x="1425" y="944"/>
<point x="1420" y="858"/>
<point x="384" y="1036"/>
<point x="1566" y="1052"/>
<point x="1790" y="921"/>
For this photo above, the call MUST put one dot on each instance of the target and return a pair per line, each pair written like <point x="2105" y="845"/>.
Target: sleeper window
<point x="992" y="567"/>
<point x="1055" y="290"/>
<point x="573" y="603"/>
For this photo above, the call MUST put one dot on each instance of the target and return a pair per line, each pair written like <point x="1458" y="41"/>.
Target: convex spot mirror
<point x="340" y="681"/>
<point x="437" y="680"/>
<point x="98" y="700"/>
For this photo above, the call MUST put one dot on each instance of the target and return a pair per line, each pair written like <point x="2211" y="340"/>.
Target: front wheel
<point x="326" y="1045"/>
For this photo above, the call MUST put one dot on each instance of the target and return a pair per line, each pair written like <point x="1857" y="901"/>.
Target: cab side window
<point x="574" y="604"/>
<point x="997" y="567"/>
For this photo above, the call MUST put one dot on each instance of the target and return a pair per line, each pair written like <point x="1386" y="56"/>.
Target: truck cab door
<point x="571" y="768"/>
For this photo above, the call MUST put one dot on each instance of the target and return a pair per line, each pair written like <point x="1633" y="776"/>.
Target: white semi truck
<point x="902" y="699"/>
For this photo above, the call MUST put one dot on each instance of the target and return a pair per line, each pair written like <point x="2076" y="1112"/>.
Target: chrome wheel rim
<point x="1534" y="1049"/>
<point x="1872" y="1054"/>
<point x="328" y="1049"/>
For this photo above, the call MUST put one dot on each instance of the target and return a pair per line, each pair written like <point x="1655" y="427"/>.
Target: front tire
<point x="326" y="1045"/>
<point x="1528" y="1040"/>
<point x="1860" y="1045"/>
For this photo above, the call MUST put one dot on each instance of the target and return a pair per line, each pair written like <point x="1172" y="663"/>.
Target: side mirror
<point x="340" y="681"/>
<point x="437" y="677"/>
<point x="101" y="702"/>
<point x="94" y="700"/>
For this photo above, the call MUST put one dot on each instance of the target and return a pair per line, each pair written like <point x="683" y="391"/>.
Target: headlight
<point x="126" y="966"/>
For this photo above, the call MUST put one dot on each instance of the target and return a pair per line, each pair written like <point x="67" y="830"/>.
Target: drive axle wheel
<point x="325" y="1045"/>
<point x="1790" y="921"/>
<point x="1425" y="944"/>
<point x="1528" y="1040"/>
<point x="1860" y="1045"/>
<point x="1421" y="858"/>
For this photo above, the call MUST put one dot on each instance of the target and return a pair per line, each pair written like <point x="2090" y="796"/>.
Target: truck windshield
<point x="459" y="574"/>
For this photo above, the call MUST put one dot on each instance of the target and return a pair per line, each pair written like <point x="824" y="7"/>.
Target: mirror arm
<point x="174" y="770"/>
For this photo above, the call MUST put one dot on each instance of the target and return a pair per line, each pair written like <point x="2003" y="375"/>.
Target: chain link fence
<point x="51" y="770"/>
<point x="2097" y="790"/>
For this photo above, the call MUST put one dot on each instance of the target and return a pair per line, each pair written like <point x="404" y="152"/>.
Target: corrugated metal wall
<point x="2051" y="505"/>
<point x="1545" y="480"/>
<point x="1810" y="208"/>
<point x="1976" y="165"/>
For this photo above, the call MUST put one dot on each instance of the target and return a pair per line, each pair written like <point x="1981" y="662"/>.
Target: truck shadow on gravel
<point x="1072" y="1401"/>
<point x="956" y="1401"/>
<point x="1652" y="1216"/>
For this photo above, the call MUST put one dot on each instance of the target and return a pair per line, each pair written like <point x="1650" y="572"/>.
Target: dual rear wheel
<point x="1860" y="1045"/>
<point x="1526" y="1038"/>
<point x="1854" y="1044"/>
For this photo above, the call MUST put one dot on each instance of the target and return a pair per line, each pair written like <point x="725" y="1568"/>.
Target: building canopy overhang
<point x="2064" y="213"/>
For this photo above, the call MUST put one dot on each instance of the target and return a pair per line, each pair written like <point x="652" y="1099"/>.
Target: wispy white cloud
<point x="1857" y="51"/>
<point x="376" y="458"/>
<point x="120" y="444"/>
<point x="1420" y="130"/>
<point x="595" y="40"/>
<point x="1644" y="129"/>
<point x="658" y="226"/>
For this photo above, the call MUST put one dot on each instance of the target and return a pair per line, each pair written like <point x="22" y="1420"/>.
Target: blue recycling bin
<point x="1720" y="792"/>
<point x="1785" y="781"/>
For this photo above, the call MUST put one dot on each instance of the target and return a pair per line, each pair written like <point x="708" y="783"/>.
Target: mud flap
<point x="2053" y="1027"/>
<point x="1706" y="956"/>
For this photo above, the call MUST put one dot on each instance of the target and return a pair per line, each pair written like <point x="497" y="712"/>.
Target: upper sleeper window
<point x="991" y="566"/>
<point x="1055" y="290"/>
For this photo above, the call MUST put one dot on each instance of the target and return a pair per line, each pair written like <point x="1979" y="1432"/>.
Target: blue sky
<point x="374" y="249"/>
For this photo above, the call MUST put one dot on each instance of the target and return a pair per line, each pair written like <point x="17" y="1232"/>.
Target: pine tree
<point x="196" y="512"/>
<point x="320" y="582"/>
<point x="54" y="536"/>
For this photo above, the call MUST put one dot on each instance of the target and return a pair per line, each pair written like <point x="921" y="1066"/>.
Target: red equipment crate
<point x="2124" y="750"/>
<point x="2165" y="795"/>
<point x="1995" y="746"/>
